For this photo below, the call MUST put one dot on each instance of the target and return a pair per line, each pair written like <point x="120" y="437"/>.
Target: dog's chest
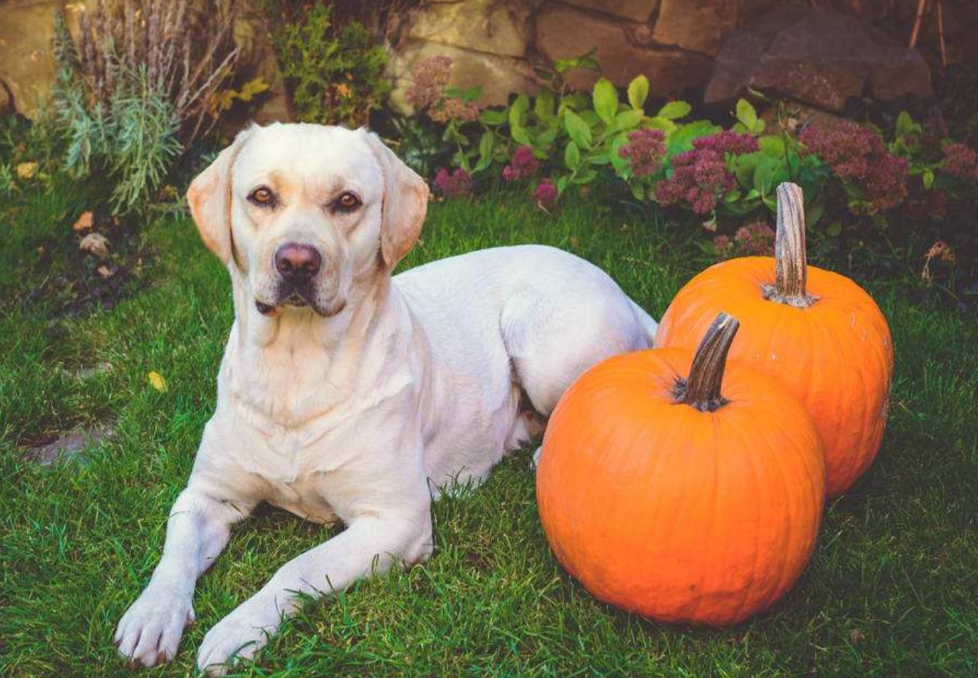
<point x="298" y="469"/>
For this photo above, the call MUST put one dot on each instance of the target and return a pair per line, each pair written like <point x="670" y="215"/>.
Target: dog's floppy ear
<point x="209" y="196"/>
<point x="405" y="203"/>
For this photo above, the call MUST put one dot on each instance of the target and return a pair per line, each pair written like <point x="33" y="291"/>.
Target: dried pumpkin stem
<point x="790" y="259"/>
<point x="702" y="389"/>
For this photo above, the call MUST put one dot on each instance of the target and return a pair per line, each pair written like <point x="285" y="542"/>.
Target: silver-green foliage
<point x="133" y="140"/>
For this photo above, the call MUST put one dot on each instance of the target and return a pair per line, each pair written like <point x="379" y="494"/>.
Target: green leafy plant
<point x="333" y="76"/>
<point x="137" y="89"/>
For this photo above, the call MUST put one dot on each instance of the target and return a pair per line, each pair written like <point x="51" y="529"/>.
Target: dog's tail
<point x="645" y="320"/>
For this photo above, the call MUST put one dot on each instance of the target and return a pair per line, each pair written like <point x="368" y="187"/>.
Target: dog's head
<point x="302" y="212"/>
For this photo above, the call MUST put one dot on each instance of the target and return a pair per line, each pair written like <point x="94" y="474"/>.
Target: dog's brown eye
<point x="262" y="196"/>
<point x="348" y="201"/>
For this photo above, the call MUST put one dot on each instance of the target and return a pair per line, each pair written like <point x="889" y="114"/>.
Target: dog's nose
<point x="297" y="262"/>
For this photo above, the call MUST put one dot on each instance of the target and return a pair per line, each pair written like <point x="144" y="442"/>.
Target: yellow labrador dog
<point x="346" y="394"/>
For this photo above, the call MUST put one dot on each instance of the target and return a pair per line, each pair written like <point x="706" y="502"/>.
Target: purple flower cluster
<point x="756" y="239"/>
<point x="961" y="162"/>
<point x="857" y="154"/>
<point x="430" y="77"/>
<point x="453" y="108"/>
<point x="545" y="195"/>
<point x="645" y="150"/>
<point x="727" y="141"/>
<point x="455" y="183"/>
<point x="523" y="164"/>
<point x="699" y="177"/>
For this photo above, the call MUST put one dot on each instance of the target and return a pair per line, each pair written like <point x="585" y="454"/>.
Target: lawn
<point x="890" y="591"/>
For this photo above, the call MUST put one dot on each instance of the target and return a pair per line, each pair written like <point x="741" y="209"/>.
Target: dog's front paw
<point x="149" y="632"/>
<point x="238" y="636"/>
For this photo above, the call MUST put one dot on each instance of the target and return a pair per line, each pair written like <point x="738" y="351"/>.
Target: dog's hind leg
<point x="552" y="338"/>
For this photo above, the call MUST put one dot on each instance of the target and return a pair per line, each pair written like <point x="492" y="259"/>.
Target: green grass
<point x="891" y="589"/>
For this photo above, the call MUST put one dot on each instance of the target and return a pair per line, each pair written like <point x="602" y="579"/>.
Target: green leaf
<point x="674" y="110"/>
<point x="638" y="92"/>
<point x="493" y="117"/>
<point x="744" y="167"/>
<point x="578" y="130"/>
<point x="834" y="229"/>
<point x="472" y="93"/>
<point x="520" y="136"/>
<point x="485" y="149"/>
<point x="638" y="191"/>
<point x="605" y="98"/>
<point x="928" y="178"/>
<point x="764" y="175"/>
<point x="666" y="125"/>
<point x="572" y="156"/>
<point x="905" y="125"/>
<point x="546" y="137"/>
<point x="746" y="114"/>
<point x="518" y="110"/>
<point x="544" y="105"/>
<point x="813" y="212"/>
<point x="626" y="121"/>
<point x="772" y="145"/>
<point x="562" y="183"/>
<point x="585" y="177"/>
<point x="619" y="163"/>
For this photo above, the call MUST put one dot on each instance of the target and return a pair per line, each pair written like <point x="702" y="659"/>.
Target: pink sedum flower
<point x="522" y="165"/>
<point x="452" y="184"/>
<point x="545" y="195"/>
<point x="727" y="141"/>
<point x="755" y="239"/>
<point x="699" y="178"/>
<point x="960" y="162"/>
<point x="430" y="77"/>
<point x="856" y="154"/>
<point x="645" y="150"/>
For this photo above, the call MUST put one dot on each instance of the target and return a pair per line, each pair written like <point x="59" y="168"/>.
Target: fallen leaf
<point x="157" y="381"/>
<point x="104" y="271"/>
<point x="84" y="222"/>
<point x="27" y="170"/>
<point x="96" y="243"/>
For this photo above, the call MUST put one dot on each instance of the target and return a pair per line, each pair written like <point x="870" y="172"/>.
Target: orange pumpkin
<point x="818" y="332"/>
<point x="668" y="496"/>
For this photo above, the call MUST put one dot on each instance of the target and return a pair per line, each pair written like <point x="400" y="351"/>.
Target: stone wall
<point x="499" y="44"/>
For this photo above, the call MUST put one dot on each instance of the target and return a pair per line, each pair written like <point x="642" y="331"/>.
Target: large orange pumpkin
<point x="668" y="496"/>
<point x="817" y="331"/>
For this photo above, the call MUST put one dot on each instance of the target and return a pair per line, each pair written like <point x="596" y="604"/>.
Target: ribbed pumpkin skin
<point x="673" y="513"/>
<point x="835" y="356"/>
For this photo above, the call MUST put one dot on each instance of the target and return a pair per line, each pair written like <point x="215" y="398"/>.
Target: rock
<point x="68" y="446"/>
<point x="817" y="57"/>
<point x="696" y="25"/>
<point x="6" y="99"/>
<point x="481" y="25"/>
<point x="252" y="38"/>
<point x="633" y="10"/>
<point x="96" y="243"/>
<point x="498" y="75"/>
<point x="563" y="32"/>
<point x="26" y="63"/>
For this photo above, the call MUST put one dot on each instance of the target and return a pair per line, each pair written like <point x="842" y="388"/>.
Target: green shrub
<point x="137" y="89"/>
<point x="333" y="76"/>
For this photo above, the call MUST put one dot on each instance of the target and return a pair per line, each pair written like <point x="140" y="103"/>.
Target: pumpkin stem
<point x="702" y="389"/>
<point x="790" y="260"/>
